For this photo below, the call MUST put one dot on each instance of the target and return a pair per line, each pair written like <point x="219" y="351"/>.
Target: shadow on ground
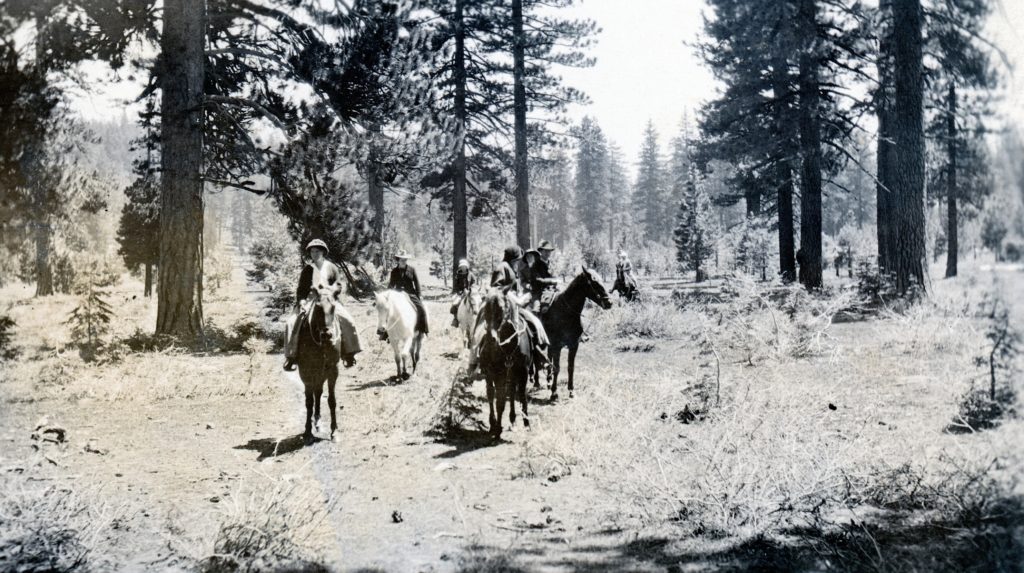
<point x="463" y="441"/>
<point x="272" y="447"/>
<point x="904" y="542"/>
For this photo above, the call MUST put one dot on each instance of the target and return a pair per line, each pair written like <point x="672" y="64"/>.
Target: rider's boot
<point x="289" y="364"/>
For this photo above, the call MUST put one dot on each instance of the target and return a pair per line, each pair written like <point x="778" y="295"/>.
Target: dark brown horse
<point x="506" y="357"/>
<point x="317" y="358"/>
<point x="563" y="325"/>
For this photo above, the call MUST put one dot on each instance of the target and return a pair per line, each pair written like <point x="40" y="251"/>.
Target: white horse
<point x="396" y="322"/>
<point x="469" y="305"/>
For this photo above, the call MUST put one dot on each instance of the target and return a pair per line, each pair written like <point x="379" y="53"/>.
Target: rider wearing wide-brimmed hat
<point x="536" y="276"/>
<point x="403" y="277"/>
<point x="324" y="278"/>
<point x="625" y="284"/>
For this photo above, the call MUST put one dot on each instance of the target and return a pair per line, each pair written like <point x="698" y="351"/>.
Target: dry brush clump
<point x="274" y="529"/>
<point x="52" y="528"/>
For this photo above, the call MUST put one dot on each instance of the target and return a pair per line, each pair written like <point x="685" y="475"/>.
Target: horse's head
<point x="321" y="314"/>
<point x="594" y="290"/>
<point x="382" y="302"/>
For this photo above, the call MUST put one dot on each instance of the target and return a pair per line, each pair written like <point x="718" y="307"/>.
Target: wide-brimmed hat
<point x="402" y="255"/>
<point x="512" y="254"/>
<point x="318" y="243"/>
<point x="463" y="264"/>
<point x="533" y="252"/>
<point x="545" y="245"/>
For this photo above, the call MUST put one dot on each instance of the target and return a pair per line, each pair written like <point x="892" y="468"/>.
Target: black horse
<point x="563" y="326"/>
<point x="505" y="357"/>
<point x="318" y="356"/>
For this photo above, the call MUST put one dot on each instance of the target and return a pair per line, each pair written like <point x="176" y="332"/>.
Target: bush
<point x="7" y="349"/>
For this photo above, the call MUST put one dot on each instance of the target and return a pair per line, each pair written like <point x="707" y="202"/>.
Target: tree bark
<point x="376" y="194"/>
<point x="44" y="272"/>
<point x="459" y="204"/>
<point x="148" y="291"/>
<point x="810" y="143"/>
<point x="180" y="285"/>
<point x="519" y="109"/>
<point x="752" y="199"/>
<point x="885" y="150"/>
<point x="952" y="239"/>
<point x="784" y="174"/>
<point x="908" y="130"/>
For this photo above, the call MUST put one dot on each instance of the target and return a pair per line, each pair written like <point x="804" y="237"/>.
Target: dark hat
<point x="318" y="243"/>
<point x="512" y="254"/>
<point x="545" y="245"/>
<point x="534" y="252"/>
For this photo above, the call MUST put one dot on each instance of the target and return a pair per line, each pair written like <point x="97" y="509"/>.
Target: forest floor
<point x="844" y="452"/>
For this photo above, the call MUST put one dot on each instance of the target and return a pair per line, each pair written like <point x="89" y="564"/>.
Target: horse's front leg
<point x="523" y="401"/>
<point x="318" y="390"/>
<point x="490" y="403"/>
<point x="332" y="402"/>
<point x="500" y="395"/>
<point x="554" y="356"/>
<point x="513" y="392"/>
<point x="308" y="435"/>
<point x="572" y="365"/>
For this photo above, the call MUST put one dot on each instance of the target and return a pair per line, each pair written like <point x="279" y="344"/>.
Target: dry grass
<point x="280" y="527"/>
<point x="53" y="528"/>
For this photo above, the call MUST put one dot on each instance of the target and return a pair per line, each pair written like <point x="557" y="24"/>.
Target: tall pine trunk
<point x="519" y="109"/>
<point x="44" y="272"/>
<point x="810" y="146"/>
<point x="180" y="284"/>
<point x="885" y="152"/>
<point x="459" y="206"/>
<point x="148" y="291"/>
<point x="952" y="239"/>
<point x="376" y="193"/>
<point x="784" y="173"/>
<point x="752" y="200"/>
<point x="908" y="137"/>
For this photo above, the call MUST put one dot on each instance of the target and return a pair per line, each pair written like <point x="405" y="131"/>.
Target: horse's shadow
<point x="464" y="441"/>
<point x="273" y="447"/>
<point x="385" y="382"/>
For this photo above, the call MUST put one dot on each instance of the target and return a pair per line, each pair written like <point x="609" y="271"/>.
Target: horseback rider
<point x="320" y="277"/>
<point x="461" y="283"/>
<point x="625" y="284"/>
<point x="507" y="278"/>
<point x="536" y="276"/>
<point x="403" y="278"/>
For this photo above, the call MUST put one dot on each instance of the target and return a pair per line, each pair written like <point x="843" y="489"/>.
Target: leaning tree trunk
<point x="810" y="144"/>
<point x="180" y="283"/>
<point x="952" y="240"/>
<point x="519" y="109"/>
<point x="459" y="206"/>
<point x="908" y="137"/>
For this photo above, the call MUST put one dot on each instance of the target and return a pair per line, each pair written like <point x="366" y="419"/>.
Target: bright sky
<point x="647" y="68"/>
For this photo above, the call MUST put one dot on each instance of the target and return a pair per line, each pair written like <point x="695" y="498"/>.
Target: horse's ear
<point x="586" y="271"/>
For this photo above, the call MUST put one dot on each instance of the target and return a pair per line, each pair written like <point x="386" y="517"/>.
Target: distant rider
<point x="625" y="284"/>
<point x="462" y="282"/>
<point x="403" y="278"/>
<point x="322" y="277"/>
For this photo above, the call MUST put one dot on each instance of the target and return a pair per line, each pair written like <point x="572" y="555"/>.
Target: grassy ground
<point x="732" y="436"/>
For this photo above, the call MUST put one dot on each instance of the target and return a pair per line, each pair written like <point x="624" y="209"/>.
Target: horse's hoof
<point x="406" y="375"/>
<point x="526" y="422"/>
<point x="307" y="439"/>
<point x="554" y="397"/>
<point x="333" y="437"/>
<point x="571" y="394"/>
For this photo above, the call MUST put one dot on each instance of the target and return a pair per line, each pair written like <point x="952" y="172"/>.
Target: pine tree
<point x="591" y="181"/>
<point x="694" y="231"/>
<point x="619" y="197"/>
<point x="138" y="231"/>
<point x="649" y="190"/>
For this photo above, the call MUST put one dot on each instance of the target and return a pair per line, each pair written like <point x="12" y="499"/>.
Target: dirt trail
<point x="173" y="470"/>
